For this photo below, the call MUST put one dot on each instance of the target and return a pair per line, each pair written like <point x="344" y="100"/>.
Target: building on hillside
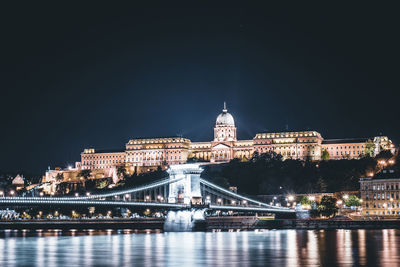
<point x="380" y="194"/>
<point x="356" y="147"/>
<point x="148" y="153"/>
<point x="18" y="182"/>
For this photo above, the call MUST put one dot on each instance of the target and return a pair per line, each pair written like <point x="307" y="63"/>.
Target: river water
<point x="260" y="248"/>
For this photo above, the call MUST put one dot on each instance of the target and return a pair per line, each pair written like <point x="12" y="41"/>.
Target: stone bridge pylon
<point x="187" y="188"/>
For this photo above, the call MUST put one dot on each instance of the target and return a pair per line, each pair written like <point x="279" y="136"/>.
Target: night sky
<point x="74" y="77"/>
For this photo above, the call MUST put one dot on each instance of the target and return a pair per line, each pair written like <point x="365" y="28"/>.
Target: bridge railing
<point x="237" y="196"/>
<point x="105" y="195"/>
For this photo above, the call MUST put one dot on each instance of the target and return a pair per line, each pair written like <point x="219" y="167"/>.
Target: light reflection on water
<point x="261" y="248"/>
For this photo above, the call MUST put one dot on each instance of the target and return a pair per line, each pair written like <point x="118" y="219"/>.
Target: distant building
<point x="380" y="194"/>
<point x="164" y="151"/>
<point x="18" y="182"/>
<point x="355" y="147"/>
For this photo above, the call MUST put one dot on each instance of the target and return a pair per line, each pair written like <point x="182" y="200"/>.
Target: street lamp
<point x="345" y="197"/>
<point x="12" y="192"/>
<point x="290" y="198"/>
<point x="88" y="194"/>
<point x="76" y="194"/>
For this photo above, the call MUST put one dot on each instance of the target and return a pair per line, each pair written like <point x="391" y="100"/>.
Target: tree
<point x="327" y="207"/>
<point x="369" y="148"/>
<point x="121" y="172"/>
<point x="304" y="201"/>
<point x="60" y="177"/>
<point x="85" y="174"/>
<point x="353" y="201"/>
<point x="384" y="154"/>
<point x="325" y="154"/>
<point x="322" y="185"/>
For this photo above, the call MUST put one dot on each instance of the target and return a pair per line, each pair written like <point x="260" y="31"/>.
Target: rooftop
<point x="345" y="141"/>
<point x="387" y="174"/>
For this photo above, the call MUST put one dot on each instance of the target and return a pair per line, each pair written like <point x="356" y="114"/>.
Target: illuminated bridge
<point x="183" y="189"/>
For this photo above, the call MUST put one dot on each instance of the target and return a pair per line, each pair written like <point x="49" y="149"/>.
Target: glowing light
<point x="76" y="195"/>
<point x="339" y="202"/>
<point x="346" y="196"/>
<point x="290" y="198"/>
<point x="311" y="198"/>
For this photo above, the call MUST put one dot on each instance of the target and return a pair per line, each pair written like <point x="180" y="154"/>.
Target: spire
<point x="224" y="110"/>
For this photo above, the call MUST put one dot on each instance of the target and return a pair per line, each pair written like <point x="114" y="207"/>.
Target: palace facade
<point x="380" y="194"/>
<point x="224" y="147"/>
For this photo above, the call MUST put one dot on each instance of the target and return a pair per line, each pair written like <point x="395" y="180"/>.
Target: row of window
<point x="345" y="153"/>
<point x="345" y="147"/>
<point x="383" y="206"/>
<point x="104" y="157"/>
<point x="384" y="212"/>
<point x="381" y="186"/>
<point x="379" y="196"/>
<point x="154" y="153"/>
<point x="92" y="162"/>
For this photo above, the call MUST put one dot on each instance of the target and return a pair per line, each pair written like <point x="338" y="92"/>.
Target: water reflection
<point x="261" y="248"/>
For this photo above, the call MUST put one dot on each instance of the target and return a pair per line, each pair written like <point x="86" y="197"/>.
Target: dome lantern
<point x="225" y="118"/>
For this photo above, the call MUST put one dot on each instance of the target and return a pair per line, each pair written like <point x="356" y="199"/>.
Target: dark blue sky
<point x="95" y="76"/>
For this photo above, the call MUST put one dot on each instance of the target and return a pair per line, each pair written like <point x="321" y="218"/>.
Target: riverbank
<point x="210" y="224"/>
<point x="96" y="224"/>
<point x="253" y="223"/>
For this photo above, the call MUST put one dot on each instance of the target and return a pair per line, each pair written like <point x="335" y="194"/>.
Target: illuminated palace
<point x="224" y="147"/>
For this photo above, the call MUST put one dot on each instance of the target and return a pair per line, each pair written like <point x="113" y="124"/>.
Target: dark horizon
<point x="97" y="76"/>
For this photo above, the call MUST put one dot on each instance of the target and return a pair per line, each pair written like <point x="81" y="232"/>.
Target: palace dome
<point x="225" y="118"/>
